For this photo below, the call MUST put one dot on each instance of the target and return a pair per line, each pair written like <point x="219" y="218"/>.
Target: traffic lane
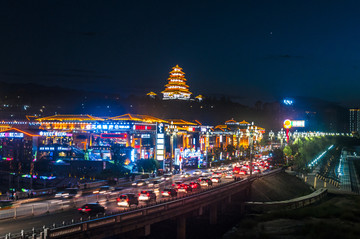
<point x="37" y="222"/>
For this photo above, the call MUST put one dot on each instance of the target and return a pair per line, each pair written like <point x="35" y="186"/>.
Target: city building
<point x="176" y="89"/>
<point x="354" y="120"/>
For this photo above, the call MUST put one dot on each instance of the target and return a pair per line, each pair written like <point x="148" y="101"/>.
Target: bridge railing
<point x="58" y="230"/>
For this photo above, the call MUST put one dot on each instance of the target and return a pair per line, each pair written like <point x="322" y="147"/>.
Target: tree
<point x="287" y="152"/>
<point x="118" y="154"/>
<point x="147" y="165"/>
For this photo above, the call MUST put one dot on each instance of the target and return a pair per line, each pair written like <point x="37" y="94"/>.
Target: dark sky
<point x="259" y="49"/>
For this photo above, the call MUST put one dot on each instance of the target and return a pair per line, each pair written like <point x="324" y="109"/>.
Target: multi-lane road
<point x="55" y="212"/>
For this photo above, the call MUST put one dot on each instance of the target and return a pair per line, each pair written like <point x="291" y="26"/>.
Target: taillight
<point x="139" y="194"/>
<point x="127" y="200"/>
<point x="87" y="210"/>
<point x="169" y="192"/>
<point x="148" y="194"/>
<point x="162" y="191"/>
<point x="79" y="209"/>
<point x="118" y="199"/>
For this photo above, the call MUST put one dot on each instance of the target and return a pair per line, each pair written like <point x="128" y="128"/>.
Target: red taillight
<point x="169" y="192"/>
<point x="118" y="199"/>
<point x="173" y="185"/>
<point x="127" y="200"/>
<point x="87" y="210"/>
<point x="139" y="194"/>
<point x="79" y="209"/>
<point x="162" y="191"/>
<point x="148" y="194"/>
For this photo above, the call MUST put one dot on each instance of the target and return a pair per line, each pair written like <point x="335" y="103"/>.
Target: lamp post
<point x="251" y="131"/>
<point x="172" y="130"/>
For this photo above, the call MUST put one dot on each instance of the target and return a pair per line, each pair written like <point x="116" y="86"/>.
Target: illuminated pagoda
<point x="176" y="88"/>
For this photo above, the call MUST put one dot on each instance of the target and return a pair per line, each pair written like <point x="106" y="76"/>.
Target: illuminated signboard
<point x="11" y="135"/>
<point x="55" y="133"/>
<point x="145" y="136"/>
<point x="293" y="123"/>
<point x="160" y="144"/>
<point x="143" y="127"/>
<point x="287" y="124"/>
<point x="52" y="148"/>
<point x="122" y="135"/>
<point x="107" y="126"/>
<point x="298" y="123"/>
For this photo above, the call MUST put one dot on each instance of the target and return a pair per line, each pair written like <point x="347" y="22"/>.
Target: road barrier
<point x="299" y="202"/>
<point x="66" y="228"/>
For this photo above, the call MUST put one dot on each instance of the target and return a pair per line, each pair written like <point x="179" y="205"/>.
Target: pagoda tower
<point x="176" y="88"/>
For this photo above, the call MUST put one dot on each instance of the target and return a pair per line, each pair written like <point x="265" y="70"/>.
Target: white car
<point x="197" y="172"/>
<point x="229" y="175"/>
<point x="216" y="179"/>
<point x="185" y="175"/>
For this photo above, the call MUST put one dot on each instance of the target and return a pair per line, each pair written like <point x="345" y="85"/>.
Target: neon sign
<point x="11" y="135"/>
<point x="55" y="133"/>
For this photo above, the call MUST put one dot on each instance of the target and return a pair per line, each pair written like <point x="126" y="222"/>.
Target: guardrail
<point x="196" y="199"/>
<point x="287" y="204"/>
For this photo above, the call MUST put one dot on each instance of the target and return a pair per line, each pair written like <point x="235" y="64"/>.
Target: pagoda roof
<point x="182" y="122"/>
<point x="136" y="117"/>
<point x="151" y="93"/>
<point x="222" y="128"/>
<point x="176" y="91"/>
<point x="70" y="118"/>
<point x="244" y="122"/>
<point x="230" y="121"/>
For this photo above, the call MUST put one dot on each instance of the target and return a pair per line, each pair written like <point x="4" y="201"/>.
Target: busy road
<point x="66" y="209"/>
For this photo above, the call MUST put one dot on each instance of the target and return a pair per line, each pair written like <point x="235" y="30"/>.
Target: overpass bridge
<point x="138" y="221"/>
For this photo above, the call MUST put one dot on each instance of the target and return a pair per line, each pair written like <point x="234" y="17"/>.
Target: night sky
<point x="247" y="49"/>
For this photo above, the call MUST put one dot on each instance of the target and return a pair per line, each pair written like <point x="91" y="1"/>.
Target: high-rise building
<point x="354" y="120"/>
<point x="176" y="89"/>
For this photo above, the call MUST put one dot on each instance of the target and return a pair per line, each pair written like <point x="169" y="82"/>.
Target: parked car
<point x="127" y="199"/>
<point x="169" y="192"/>
<point x="91" y="209"/>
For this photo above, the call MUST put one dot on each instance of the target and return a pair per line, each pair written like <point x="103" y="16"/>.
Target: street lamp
<point x="172" y="130"/>
<point x="251" y="131"/>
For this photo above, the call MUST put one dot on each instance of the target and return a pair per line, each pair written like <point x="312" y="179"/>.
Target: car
<point x="216" y="179"/>
<point x="243" y="172"/>
<point x="69" y="193"/>
<point x="176" y="184"/>
<point x="197" y="172"/>
<point x="229" y="175"/>
<point x="169" y="192"/>
<point x="184" y="188"/>
<point x="194" y="185"/>
<point x="167" y="176"/>
<point x="139" y="183"/>
<point x="154" y="184"/>
<point x="127" y="199"/>
<point x="217" y="173"/>
<point x="185" y="175"/>
<point x="256" y="171"/>
<point x="147" y="195"/>
<point x="104" y="190"/>
<point x="205" y="182"/>
<point x="91" y="209"/>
